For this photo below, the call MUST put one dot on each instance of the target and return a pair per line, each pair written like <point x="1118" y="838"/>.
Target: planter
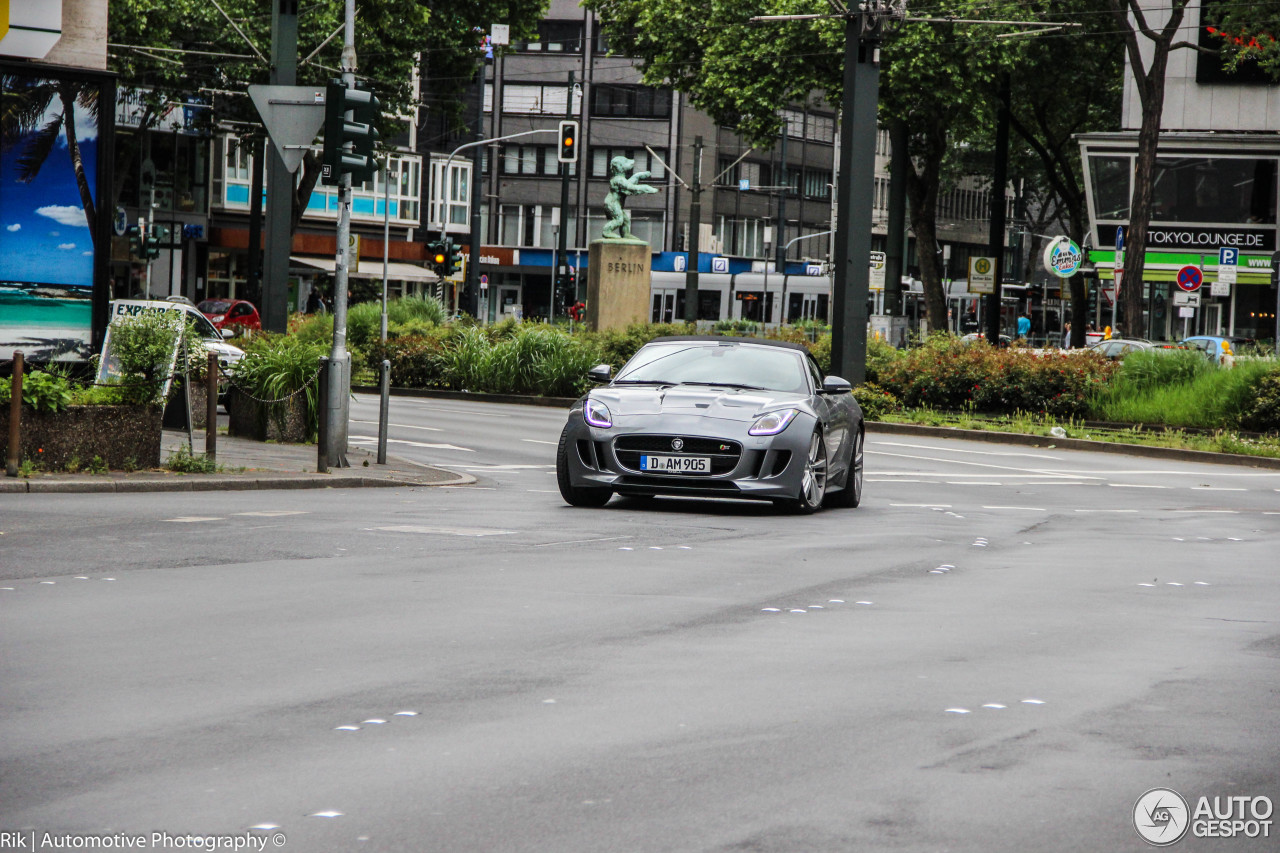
<point x="121" y="435"/>
<point x="285" y="421"/>
<point x="175" y="414"/>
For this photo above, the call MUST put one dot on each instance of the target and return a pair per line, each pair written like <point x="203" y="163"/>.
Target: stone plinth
<point x="617" y="284"/>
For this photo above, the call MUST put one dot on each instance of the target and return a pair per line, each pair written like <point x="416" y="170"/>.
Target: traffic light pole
<point x="339" y="386"/>
<point x="561" y="270"/>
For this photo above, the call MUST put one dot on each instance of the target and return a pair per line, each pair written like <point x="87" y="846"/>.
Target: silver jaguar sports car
<point x="715" y="417"/>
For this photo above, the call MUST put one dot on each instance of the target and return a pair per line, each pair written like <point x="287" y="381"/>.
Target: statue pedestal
<point x="617" y="284"/>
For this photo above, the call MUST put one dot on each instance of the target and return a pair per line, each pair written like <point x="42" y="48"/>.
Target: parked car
<point x="1117" y="348"/>
<point x="715" y="417"/>
<point x="181" y="300"/>
<point x="223" y="313"/>
<point x="1216" y="346"/>
<point x="974" y="337"/>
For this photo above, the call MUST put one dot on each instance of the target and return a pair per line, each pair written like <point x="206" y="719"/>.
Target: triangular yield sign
<point x="293" y="116"/>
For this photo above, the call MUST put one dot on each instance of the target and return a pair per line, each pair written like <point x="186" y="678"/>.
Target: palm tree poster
<point x="48" y="186"/>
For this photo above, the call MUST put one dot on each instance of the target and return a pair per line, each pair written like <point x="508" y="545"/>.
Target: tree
<point x="1060" y="90"/>
<point x="1148" y="77"/>
<point x="1246" y="34"/>
<point x="170" y="52"/>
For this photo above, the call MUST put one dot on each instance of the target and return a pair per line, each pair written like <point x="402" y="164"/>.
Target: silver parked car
<point x="715" y="417"/>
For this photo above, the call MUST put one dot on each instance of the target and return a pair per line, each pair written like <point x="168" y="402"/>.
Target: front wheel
<point x="851" y="494"/>
<point x="575" y="495"/>
<point x="813" y="482"/>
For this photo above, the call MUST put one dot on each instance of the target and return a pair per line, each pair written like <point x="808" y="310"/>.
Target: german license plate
<point x="676" y="464"/>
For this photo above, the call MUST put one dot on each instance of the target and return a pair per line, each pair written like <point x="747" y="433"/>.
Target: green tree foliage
<point x="1247" y="34"/>
<point x="170" y="52"/>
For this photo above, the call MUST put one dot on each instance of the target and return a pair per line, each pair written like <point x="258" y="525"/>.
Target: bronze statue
<point x="618" y="227"/>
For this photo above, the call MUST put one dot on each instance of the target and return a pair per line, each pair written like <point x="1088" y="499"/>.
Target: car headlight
<point x="597" y="414"/>
<point x="772" y="423"/>
<point x="217" y="318"/>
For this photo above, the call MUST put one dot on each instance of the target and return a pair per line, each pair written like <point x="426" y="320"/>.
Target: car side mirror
<point x="600" y="373"/>
<point x="228" y="333"/>
<point x="836" y="385"/>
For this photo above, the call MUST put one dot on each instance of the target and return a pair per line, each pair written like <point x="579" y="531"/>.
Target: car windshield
<point x="214" y="306"/>
<point x="727" y="365"/>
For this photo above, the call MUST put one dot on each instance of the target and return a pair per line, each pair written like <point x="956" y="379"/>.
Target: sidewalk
<point x="245" y="465"/>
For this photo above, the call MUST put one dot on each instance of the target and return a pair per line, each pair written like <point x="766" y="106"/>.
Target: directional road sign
<point x="1190" y="278"/>
<point x="293" y="116"/>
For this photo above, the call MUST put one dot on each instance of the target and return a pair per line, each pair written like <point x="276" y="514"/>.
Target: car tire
<point x="813" y="483"/>
<point x="576" y="495"/>
<point x="851" y="495"/>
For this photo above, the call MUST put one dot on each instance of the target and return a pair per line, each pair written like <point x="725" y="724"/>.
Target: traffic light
<point x="452" y="257"/>
<point x="135" y="241"/>
<point x="568" y="149"/>
<point x="348" y="144"/>
<point x="437" y="255"/>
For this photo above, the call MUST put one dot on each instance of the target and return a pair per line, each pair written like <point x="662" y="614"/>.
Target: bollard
<point x="211" y="409"/>
<point x="322" y="407"/>
<point x="15" y="418"/>
<point x="384" y="408"/>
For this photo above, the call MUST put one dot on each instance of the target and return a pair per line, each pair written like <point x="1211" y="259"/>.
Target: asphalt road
<point x="1001" y="650"/>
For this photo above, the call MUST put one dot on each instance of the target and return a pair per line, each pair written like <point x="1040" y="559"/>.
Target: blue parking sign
<point x="1228" y="256"/>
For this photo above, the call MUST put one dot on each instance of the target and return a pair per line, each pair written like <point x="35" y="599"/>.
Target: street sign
<point x="982" y="275"/>
<point x="720" y="264"/>
<point x="500" y="34"/>
<point x="1191" y="300"/>
<point x="877" y="271"/>
<point x="1063" y="257"/>
<point x="293" y="116"/>
<point x="1228" y="260"/>
<point x="1108" y="293"/>
<point x="813" y="269"/>
<point x="1119" y="238"/>
<point x="1190" y="278"/>
<point x="1228" y="256"/>
<point x="744" y="184"/>
<point x="1185" y="311"/>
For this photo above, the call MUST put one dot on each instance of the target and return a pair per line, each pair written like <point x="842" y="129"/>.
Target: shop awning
<point x="396" y="270"/>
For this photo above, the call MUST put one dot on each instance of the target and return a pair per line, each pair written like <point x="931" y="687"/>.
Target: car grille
<point x="724" y="453"/>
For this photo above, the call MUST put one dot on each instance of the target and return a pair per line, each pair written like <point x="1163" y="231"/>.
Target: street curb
<point x="440" y="393"/>
<point x="213" y="482"/>
<point x="1047" y="442"/>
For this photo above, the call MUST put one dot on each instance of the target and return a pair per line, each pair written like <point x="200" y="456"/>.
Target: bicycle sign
<point x="1190" y="278"/>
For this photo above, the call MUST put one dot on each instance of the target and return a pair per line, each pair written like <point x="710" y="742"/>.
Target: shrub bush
<point x="1192" y="392"/>
<point x="278" y="366"/>
<point x="947" y="374"/>
<point x="875" y="401"/>
<point x="1262" y="412"/>
<point x="41" y="390"/>
<point x="616" y="346"/>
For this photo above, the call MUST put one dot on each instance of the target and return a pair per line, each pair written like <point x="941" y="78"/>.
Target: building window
<point x="1111" y="193"/>
<point x="556" y="37"/>
<point x="630" y="102"/>
<point x="741" y="237"/>
<point x="450" y="194"/>
<point x="1226" y="190"/>
<point x="601" y="157"/>
<point x="534" y="226"/>
<point x="532" y="99"/>
<point x="758" y="174"/>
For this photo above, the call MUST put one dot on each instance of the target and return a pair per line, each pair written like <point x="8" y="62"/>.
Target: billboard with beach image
<point x="50" y="205"/>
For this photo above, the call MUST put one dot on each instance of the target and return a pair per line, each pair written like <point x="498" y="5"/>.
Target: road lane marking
<point x="1039" y="472"/>
<point x="446" y="531"/>
<point x="972" y="483"/>
<point x="538" y="441"/>
<point x="1216" y="489"/>
<point x="360" y="439"/>
<point x="188" y="519"/>
<point x="927" y="506"/>
<point x="1205" y="511"/>
<point x="959" y="450"/>
<point x="578" y="541"/>
<point x="273" y="513"/>
<point x="1106" y="510"/>
<point x="1135" y="486"/>
<point x="1024" y="508"/>
<point x="400" y="426"/>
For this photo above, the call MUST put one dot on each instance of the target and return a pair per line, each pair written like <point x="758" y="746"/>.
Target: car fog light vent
<point x="780" y="462"/>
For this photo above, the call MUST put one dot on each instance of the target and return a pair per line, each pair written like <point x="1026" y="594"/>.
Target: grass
<point x="183" y="461"/>
<point x="1178" y="389"/>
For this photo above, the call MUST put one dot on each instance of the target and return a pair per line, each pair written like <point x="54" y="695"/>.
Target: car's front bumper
<point x="768" y="467"/>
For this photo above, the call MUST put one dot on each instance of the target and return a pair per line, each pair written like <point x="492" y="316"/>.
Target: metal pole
<point x="322" y="422"/>
<point x="253" y="279"/>
<point x="280" y="181"/>
<point x="384" y="411"/>
<point x="15" y="417"/>
<point x="856" y="192"/>
<point x="896" y="239"/>
<point x="339" y="362"/>
<point x="211" y="409"/>
<point x="472" y="275"/>
<point x="695" y="228"/>
<point x="560" y="270"/>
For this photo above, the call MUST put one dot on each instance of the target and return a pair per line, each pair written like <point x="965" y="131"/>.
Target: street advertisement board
<point x="54" y="233"/>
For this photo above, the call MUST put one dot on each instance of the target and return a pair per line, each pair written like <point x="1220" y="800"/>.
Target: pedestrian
<point x="1066" y="336"/>
<point x="315" y="303"/>
<point x="1024" y="325"/>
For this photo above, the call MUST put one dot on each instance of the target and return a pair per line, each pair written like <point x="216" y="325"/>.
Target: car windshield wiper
<point x="727" y="385"/>
<point x="642" y="382"/>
